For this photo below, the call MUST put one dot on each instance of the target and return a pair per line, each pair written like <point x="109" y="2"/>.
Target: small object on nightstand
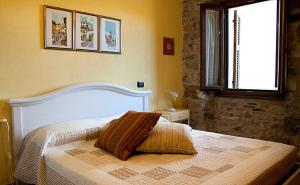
<point x="174" y="95"/>
<point x="179" y="115"/>
<point x="3" y="120"/>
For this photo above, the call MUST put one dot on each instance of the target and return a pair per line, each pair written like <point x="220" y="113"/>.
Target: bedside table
<point x="180" y="115"/>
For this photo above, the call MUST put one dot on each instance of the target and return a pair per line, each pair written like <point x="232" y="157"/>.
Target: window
<point x="243" y="48"/>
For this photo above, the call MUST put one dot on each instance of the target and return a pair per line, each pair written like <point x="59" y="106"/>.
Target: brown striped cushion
<point x="123" y="135"/>
<point x="169" y="137"/>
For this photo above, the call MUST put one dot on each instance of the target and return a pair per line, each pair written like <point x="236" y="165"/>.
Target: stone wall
<point x="274" y="120"/>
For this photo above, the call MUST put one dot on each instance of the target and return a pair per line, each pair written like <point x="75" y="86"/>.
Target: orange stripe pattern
<point x="123" y="135"/>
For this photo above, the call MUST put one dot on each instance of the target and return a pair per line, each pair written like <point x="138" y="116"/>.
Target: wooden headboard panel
<point x="81" y="101"/>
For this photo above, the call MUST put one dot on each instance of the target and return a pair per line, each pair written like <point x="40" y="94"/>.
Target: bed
<point x="59" y="147"/>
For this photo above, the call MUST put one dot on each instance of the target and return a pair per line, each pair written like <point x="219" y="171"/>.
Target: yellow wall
<point x="26" y="69"/>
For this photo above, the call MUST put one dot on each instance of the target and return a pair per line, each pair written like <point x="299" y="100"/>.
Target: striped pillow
<point x="123" y="135"/>
<point x="169" y="137"/>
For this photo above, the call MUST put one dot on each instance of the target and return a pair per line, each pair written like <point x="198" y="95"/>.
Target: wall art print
<point x="110" y="35"/>
<point x="86" y="31"/>
<point x="58" y="30"/>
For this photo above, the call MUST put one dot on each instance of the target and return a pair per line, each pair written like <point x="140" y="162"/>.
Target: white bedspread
<point x="221" y="160"/>
<point x="67" y="149"/>
<point x="30" y="167"/>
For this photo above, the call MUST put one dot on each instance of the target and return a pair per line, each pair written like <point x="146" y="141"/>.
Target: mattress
<point x="221" y="159"/>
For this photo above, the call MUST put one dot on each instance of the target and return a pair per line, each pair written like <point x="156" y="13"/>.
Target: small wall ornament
<point x="168" y="46"/>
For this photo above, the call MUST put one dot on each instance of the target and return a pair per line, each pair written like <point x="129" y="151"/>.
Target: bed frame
<point x="81" y="101"/>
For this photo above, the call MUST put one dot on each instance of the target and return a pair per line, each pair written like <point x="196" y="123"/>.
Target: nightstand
<point x="180" y="115"/>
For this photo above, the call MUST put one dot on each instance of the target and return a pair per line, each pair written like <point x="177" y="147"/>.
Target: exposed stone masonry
<point x="274" y="120"/>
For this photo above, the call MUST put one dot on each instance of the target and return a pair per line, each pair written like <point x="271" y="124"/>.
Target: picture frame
<point x="168" y="46"/>
<point x="86" y="29"/>
<point x="110" y="35"/>
<point x="58" y="28"/>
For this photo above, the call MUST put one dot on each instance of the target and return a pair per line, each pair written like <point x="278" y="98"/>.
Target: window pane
<point x="252" y="43"/>
<point x="212" y="47"/>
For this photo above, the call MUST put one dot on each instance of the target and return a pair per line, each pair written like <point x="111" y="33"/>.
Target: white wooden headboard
<point x="81" y="101"/>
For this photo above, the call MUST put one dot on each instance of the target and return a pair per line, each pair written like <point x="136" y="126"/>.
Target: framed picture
<point x="58" y="28"/>
<point x="86" y="32"/>
<point x="168" y="46"/>
<point x="110" y="35"/>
